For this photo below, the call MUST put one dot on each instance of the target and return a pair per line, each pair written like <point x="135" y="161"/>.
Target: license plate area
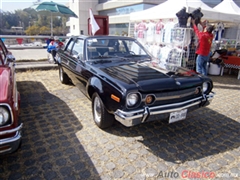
<point x="177" y="116"/>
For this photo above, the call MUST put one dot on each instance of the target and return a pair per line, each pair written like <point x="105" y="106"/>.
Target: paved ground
<point x="61" y="141"/>
<point x="29" y="54"/>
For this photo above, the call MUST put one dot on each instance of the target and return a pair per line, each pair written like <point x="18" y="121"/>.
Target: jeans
<point x="54" y="52"/>
<point x="201" y="63"/>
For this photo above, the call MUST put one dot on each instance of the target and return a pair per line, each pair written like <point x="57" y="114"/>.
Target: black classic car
<point x="125" y="83"/>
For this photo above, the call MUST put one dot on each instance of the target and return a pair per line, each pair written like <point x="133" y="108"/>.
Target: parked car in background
<point x="125" y="83"/>
<point x="10" y="125"/>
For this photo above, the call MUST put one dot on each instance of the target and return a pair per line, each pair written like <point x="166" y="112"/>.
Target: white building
<point x="117" y="10"/>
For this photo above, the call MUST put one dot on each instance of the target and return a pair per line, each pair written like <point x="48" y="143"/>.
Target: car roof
<point x="102" y="36"/>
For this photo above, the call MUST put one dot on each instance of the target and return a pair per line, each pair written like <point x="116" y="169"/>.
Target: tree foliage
<point x="32" y="22"/>
<point x="33" y="30"/>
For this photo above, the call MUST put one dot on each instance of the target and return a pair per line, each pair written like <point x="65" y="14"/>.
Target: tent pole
<point x="51" y="26"/>
<point x="129" y="28"/>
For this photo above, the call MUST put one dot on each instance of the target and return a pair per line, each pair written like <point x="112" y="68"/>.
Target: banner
<point x="94" y="25"/>
<point x="19" y="40"/>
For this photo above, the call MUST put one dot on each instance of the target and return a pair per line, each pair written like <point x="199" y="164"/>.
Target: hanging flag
<point x="94" y="25"/>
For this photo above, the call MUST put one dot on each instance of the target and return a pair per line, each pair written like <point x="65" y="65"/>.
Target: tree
<point x="23" y="18"/>
<point x="33" y="30"/>
<point x="29" y="17"/>
<point x="8" y="20"/>
<point x="44" y="30"/>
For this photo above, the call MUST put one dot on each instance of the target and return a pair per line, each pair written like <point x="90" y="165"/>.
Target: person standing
<point x="205" y="39"/>
<point x="54" y="46"/>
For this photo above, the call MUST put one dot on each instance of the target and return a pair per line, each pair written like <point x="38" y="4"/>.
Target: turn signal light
<point x="197" y="90"/>
<point x="149" y="99"/>
<point x="115" y="98"/>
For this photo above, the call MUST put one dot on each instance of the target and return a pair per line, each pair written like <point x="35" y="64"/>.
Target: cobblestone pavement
<point x="61" y="141"/>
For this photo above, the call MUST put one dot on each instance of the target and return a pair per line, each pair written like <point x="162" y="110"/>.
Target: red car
<point x="10" y="126"/>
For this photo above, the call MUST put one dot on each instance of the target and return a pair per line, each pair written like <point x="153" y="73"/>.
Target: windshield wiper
<point x="102" y="61"/>
<point x="143" y="60"/>
<point x="102" y="57"/>
<point x="133" y="55"/>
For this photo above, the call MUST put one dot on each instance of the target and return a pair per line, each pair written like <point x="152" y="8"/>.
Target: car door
<point x="66" y="57"/>
<point x="78" y="65"/>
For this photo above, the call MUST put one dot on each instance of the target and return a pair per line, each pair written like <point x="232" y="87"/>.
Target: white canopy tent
<point x="169" y="9"/>
<point x="228" y="6"/>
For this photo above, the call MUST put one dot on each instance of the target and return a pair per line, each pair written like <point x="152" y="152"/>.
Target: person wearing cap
<point x="54" y="46"/>
<point x="205" y="39"/>
<point x="50" y="39"/>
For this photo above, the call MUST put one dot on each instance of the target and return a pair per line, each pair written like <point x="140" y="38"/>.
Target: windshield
<point x="115" y="49"/>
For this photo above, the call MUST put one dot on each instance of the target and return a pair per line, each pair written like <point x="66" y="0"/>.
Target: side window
<point x="69" y="47"/>
<point x="3" y="52"/>
<point x="121" y="46"/>
<point x="77" y="50"/>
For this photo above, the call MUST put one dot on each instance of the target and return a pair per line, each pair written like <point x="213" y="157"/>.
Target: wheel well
<point x="91" y="91"/>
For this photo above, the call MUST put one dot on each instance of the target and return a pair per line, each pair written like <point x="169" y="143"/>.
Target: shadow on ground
<point x="50" y="145"/>
<point x="204" y="133"/>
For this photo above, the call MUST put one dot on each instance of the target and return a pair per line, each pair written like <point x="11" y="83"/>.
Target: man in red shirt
<point x="204" y="46"/>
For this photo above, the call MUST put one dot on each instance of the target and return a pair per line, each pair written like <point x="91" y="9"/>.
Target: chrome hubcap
<point x="61" y="74"/>
<point x="97" y="110"/>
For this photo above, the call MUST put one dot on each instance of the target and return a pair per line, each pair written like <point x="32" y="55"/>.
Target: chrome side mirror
<point x="10" y="58"/>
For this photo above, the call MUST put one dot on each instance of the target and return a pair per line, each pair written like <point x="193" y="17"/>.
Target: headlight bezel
<point x="136" y="95"/>
<point x="4" y="113"/>
<point x="206" y="87"/>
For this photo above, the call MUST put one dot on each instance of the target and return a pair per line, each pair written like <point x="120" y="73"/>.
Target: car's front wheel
<point x="63" y="76"/>
<point x="101" y="117"/>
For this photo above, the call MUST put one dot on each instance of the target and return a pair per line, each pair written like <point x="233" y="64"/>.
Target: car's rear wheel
<point x="101" y="117"/>
<point x="63" y="76"/>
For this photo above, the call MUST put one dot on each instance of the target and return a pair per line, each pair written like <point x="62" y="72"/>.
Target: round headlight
<point x="205" y="87"/>
<point x="132" y="99"/>
<point x="4" y="116"/>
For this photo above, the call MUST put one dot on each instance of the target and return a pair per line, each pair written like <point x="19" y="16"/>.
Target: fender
<point x="96" y="85"/>
<point x="6" y="83"/>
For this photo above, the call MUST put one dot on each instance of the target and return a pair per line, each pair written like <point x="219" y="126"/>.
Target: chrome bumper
<point x="8" y="145"/>
<point x="131" y="118"/>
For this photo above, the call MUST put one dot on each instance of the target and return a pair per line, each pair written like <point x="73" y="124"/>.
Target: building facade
<point x="117" y="10"/>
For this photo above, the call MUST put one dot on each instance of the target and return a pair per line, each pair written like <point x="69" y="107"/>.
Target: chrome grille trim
<point x="175" y="94"/>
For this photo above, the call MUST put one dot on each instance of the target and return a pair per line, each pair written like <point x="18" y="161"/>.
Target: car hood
<point x="148" y="77"/>
<point x="4" y="83"/>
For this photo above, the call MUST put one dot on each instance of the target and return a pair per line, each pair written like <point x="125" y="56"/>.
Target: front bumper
<point x="131" y="118"/>
<point x="11" y="144"/>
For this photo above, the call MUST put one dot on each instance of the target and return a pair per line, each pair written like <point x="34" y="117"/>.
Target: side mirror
<point x="75" y="56"/>
<point x="78" y="57"/>
<point x="10" y="58"/>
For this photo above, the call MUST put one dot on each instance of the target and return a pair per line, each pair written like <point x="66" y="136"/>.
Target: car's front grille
<point x="175" y="96"/>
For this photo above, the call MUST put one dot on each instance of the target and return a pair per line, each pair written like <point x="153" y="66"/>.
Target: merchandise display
<point x="197" y="15"/>
<point x="172" y="40"/>
<point x="150" y="31"/>
<point x="141" y="28"/>
<point x="219" y="31"/>
<point x="159" y="31"/>
<point x="167" y="42"/>
<point x="183" y="17"/>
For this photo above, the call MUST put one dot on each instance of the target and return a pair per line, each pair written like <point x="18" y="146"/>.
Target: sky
<point x="12" y="5"/>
